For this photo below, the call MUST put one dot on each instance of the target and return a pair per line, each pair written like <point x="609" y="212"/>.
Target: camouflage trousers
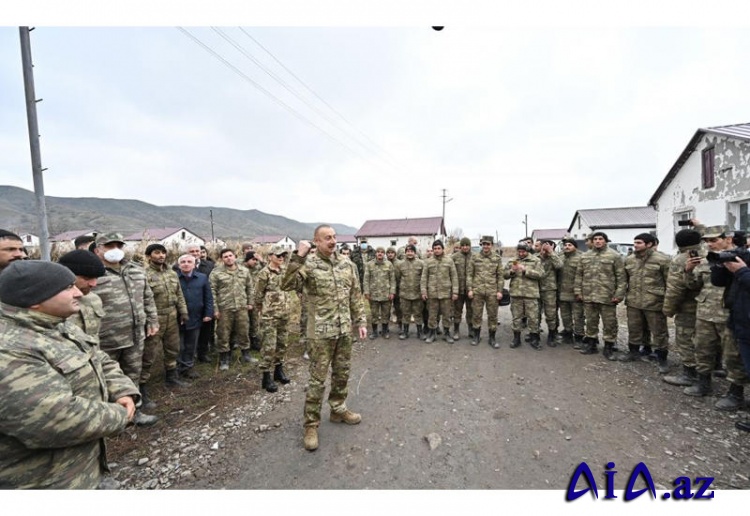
<point x="274" y="332"/>
<point x="684" y="330"/>
<point x="232" y="327"/>
<point x="411" y="308"/>
<point x="708" y="342"/>
<point x="380" y="312"/>
<point x="458" y="310"/>
<point x="733" y="360"/>
<point x="335" y="353"/>
<point x="656" y="325"/>
<point x="571" y="313"/>
<point x="478" y="304"/>
<point x="548" y="307"/>
<point x="438" y="308"/>
<point x="528" y="307"/>
<point x="397" y="309"/>
<point x="303" y="318"/>
<point x="608" y="314"/>
<point x="130" y="360"/>
<point x="168" y="338"/>
<point x="253" y="324"/>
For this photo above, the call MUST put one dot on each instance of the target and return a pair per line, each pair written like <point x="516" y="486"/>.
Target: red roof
<point x="402" y="227"/>
<point x="549" y="234"/>
<point x="72" y="235"/>
<point x="346" y="239"/>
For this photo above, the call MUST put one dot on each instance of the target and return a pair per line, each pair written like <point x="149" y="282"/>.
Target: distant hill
<point x="18" y="213"/>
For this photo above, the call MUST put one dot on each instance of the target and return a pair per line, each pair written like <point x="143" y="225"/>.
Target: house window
<point x="393" y="242"/>
<point x="183" y="235"/>
<point x="682" y="215"/>
<point x="744" y="218"/>
<point x="708" y="178"/>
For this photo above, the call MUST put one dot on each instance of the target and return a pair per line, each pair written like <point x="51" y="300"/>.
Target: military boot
<point x="430" y="336"/>
<point x="279" y="375"/>
<point x="311" y="438"/>
<point x="146" y="402"/>
<point x="685" y="379"/>
<point x="374" y="333"/>
<point x="734" y="399"/>
<point x="247" y="357"/>
<point x="551" y="342"/>
<point x="516" y="339"/>
<point x="267" y="383"/>
<point x="447" y="338"/>
<point x="255" y="343"/>
<point x="661" y="361"/>
<point x="492" y="341"/>
<point x="567" y="336"/>
<point x="419" y="331"/>
<point x="743" y="425"/>
<point x="527" y="338"/>
<point x="171" y="380"/>
<point x="592" y="346"/>
<point x="700" y="388"/>
<point x="347" y="416"/>
<point x="647" y="354"/>
<point x="404" y="332"/>
<point x="142" y="419"/>
<point x="456" y="336"/>
<point x="609" y="351"/>
<point x="578" y="341"/>
<point x="475" y="336"/>
<point x="385" y="331"/>
<point x="438" y="331"/>
<point x="632" y="354"/>
<point x="224" y="360"/>
<point x="535" y="343"/>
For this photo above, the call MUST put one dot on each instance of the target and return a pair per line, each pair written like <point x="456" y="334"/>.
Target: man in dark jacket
<point x="200" y="305"/>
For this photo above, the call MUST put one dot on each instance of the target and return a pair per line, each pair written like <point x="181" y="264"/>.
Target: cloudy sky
<point x="345" y="123"/>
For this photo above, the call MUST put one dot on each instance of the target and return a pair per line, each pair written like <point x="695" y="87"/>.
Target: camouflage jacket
<point x="380" y="280"/>
<point x="485" y="275"/>
<point x="710" y="299"/>
<point x="551" y="265"/>
<point x="360" y="259"/>
<point x="601" y="276"/>
<point x="462" y="262"/>
<point x="646" y="274"/>
<point x="334" y="300"/>
<point x="128" y="307"/>
<point x="165" y="284"/>
<point x="232" y="288"/>
<point x="408" y="278"/>
<point x="270" y="301"/>
<point x="566" y="288"/>
<point x="679" y="297"/>
<point x="525" y="284"/>
<point x="57" y="393"/>
<point x="89" y="318"/>
<point x="439" y="278"/>
<point x="254" y="272"/>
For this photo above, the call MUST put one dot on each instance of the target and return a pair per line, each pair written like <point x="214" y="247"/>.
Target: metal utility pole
<point x="211" y="215"/>
<point x="36" y="156"/>
<point x="526" y="226"/>
<point x="445" y="201"/>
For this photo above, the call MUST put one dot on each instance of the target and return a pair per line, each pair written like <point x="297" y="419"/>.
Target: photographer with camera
<point x="729" y="269"/>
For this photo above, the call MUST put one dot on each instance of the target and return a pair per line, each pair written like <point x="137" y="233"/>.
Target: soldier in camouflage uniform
<point x="401" y="253"/>
<point x="129" y="312"/>
<point x="272" y="306"/>
<point x="462" y="259"/>
<point x="390" y="254"/>
<point x="571" y="310"/>
<point x="484" y="288"/>
<point x="335" y="305"/>
<point x="408" y="278"/>
<point x="552" y="263"/>
<point x="439" y="286"/>
<point x="87" y="268"/>
<point x="710" y="326"/>
<point x="646" y="271"/>
<point x="232" y="288"/>
<point x="524" y="273"/>
<point x="11" y="248"/>
<point x="600" y="284"/>
<point x="254" y="267"/>
<point x="172" y="311"/>
<point x="362" y="254"/>
<point x="60" y="394"/>
<point x="679" y="302"/>
<point x="379" y="290"/>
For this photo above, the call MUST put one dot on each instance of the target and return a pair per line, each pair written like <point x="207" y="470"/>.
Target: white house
<point x="29" y="240"/>
<point x="168" y="237"/>
<point x="620" y="224"/>
<point x="710" y="181"/>
<point x="68" y="237"/>
<point x="396" y="232"/>
<point x="269" y="240"/>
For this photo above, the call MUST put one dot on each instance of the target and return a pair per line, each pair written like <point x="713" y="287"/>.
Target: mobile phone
<point x="693" y="253"/>
<point x="687" y="222"/>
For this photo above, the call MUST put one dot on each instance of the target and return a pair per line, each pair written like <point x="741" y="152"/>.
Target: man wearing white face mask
<point x="130" y="312"/>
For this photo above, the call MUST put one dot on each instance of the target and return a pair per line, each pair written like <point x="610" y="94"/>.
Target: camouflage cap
<point x="487" y="238"/>
<point x="277" y="250"/>
<point x="108" y="238"/>
<point x="391" y="250"/>
<point x="717" y="231"/>
<point x="465" y="241"/>
<point x="380" y="249"/>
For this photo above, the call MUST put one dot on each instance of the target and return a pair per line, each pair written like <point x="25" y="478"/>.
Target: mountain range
<point x="18" y="214"/>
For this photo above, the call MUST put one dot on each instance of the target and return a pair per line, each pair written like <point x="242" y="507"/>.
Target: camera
<point x="728" y="256"/>
<point x="686" y="222"/>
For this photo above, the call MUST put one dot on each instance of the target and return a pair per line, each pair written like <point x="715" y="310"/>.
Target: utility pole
<point x="445" y="201"/>
<point x="211" y="215"/>
<point x="36" y="156"/>
<point x="526" y="225"/>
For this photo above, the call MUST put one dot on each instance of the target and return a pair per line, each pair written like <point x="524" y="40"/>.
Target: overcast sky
<point x="509" y="120"/>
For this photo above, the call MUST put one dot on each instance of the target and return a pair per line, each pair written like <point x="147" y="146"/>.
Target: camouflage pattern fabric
<point x="439" y="308"/>
<point x="708" y="340"/>
<point x="484" y="280"/>
<point x="481" y="301"/>
<point x="679" y="301"/>
<point x="608" y="314"/>
<point x="656" y="323"/>
<point x="548" y="307"/>
<point x="57" y="393"/>
<point x="380" y="280"/>
<point x="335" y="353"/>
<point x="380" y="312"/>
<point x="411" y="308"/>
<point x="272" y="304"/>
<point x="275" y="337"/>
<point x="439" y="278"/>
<point x="525" y="284"/>
<point x="408" y="277"/>
<point x="736" y="372"/>
<point x="521" y="307"/>
<point x="551" y="264"/>
<point x="89" y="318"/>
<point x="233" y="327"/>
<point x="646" y="273"/>
<point x="167" y="338"/>
<point x="462" y="261"/>
<point x="232" y="288"/>
<point x="600" y="277"/>
<point x="252" y="315"/>
<point x="571" y="314"/>
<point x="566" y="287"/>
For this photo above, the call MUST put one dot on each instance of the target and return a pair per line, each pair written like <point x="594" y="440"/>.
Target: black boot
<point x="419" y="331"/>
<point x="385" y="331"/>
<point x="527" y="338"/>
<point x="535" y="343"/>
<point x="661" y="361"/>
<point x="735" y="398"/>
<point x="567" y="336"/>
<point x="278" y="374"/>
<point x="631" y="355"/>
<point x="516" y="339"/>
<point x="646" y="353"/>
<point x="374" y="334"/>
<point x="578" y="344"/>
<point x="592" y="346"/>
<point x="493" y="342"/>
<point x="430" y="336"/>
<point x="438" y="331"/>
<point x="404" y="332"/>
<point x="448" y="337"/>
<point x="172" y="380"/>
<point x="700" y="388"/>
<point x="224" y="360"/>
<point x="685" y="379"/>
<point x="609" y="351"/>
<point x="551" y="342"/>
<point x="455" y="331"/>
<point x="267" y="382"/>
<point x="475" y="336"/>
<point x="247" y="357"/>
<point x="743" y="425"/>
<point x="146" y="402"/>
<point x="255" y="343"/>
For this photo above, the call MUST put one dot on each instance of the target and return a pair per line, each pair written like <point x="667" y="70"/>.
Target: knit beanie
<point x="25" y="283"/>
<point x="438" y="243"/>
<point x="153" y="247"/>
<point x="83" y="263"/>
<point x="687" y="237"/>
<point x="465" y="241"/>
<point x="646" y="238"/>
